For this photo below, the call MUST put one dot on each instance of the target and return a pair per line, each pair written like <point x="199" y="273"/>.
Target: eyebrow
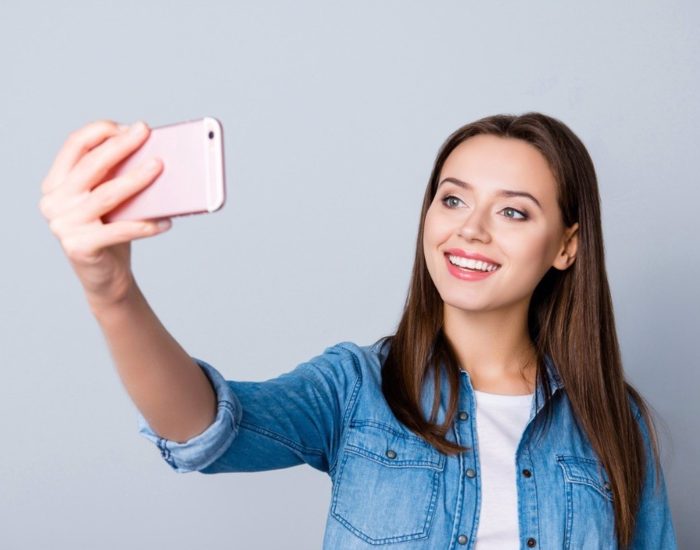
<point x="501" y="192"/>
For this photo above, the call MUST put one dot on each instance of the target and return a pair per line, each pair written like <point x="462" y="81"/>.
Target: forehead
<point x="491" y="162"/>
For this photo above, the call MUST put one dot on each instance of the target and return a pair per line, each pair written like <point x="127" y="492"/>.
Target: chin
<point x="459" y="301"/>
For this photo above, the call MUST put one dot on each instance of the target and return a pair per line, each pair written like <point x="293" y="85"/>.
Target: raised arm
<point x="167" y="386"/>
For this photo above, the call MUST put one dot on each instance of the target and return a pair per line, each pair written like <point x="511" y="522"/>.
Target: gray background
<point x="333" y="114"/>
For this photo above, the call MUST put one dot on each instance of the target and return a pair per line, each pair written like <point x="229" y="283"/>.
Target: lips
<point x="467" y="274"/>
<point x="470" y="255"/>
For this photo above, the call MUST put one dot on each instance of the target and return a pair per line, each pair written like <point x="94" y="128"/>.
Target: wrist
<point x="129" y="298"/>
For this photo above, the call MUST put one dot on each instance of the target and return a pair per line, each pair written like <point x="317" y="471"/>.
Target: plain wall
<point x="333" y="115"/>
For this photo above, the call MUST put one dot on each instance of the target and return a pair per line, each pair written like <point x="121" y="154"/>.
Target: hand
<point x="77" y="191"/>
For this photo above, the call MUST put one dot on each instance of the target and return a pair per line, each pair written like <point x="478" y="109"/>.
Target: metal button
<point x="462" y="539"/>
<point x="391" y="454"/>
<point x="531" y="542"/>
<point x="463" y="415"/>
<point x="527" y="473"/>
<point x="470" y="472"/>
<point x="607" y="486"/>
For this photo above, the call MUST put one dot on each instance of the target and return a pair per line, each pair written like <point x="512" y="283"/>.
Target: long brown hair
<point x="570" y="319"/>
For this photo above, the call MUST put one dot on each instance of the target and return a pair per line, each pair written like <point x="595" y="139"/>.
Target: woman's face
<point x="523" y="234"/>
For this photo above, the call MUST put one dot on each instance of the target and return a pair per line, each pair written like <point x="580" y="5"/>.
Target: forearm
<point x="166" y="385"/>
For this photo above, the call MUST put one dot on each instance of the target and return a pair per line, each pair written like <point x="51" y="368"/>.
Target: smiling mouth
<point x="468" y="264"/>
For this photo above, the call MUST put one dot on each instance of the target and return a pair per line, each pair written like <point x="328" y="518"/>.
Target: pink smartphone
<point x="192" y="179"/>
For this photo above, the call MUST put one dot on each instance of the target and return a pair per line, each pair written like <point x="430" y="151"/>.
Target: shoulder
<point x="634" y="399"/>
<point x="636" y="411"/>
<point x="646" y="420"/>
<point x="344" y="363"/>
<point x="368" y="352"/>
<point x="364" y="360"/>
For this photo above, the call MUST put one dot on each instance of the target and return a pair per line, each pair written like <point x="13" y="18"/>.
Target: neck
<point x="494" y="347"/>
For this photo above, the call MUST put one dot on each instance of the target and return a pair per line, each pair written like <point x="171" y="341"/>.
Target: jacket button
<point x="531" y="542"/>
<point x="391" y="453"/>
<point x="470" y="472"/>
<point x="462" y="539"/>
<point x="607" y="486"/>
<point x="463" y="415"/>
<point x="527" y="473"/>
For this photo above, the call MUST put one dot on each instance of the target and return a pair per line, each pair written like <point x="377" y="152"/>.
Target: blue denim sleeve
<point x="297" y="417"/>
<point x="203" y="449"/>
<point x="654" y="525"/>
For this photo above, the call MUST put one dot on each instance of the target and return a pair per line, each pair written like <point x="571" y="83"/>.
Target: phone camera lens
<point x="211" y="135"/>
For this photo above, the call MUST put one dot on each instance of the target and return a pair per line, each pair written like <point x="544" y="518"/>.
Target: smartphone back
<point x="192" y="179"/>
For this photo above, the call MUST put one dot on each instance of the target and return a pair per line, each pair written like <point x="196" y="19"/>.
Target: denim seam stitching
<point x="394" y="463"/>
<point x="393" y="431"/>
<point x="350" y="405"/>
<point x="229" y="410"/>
<point x="314" y="383"/>
<point x="286" y="442"/>
<point x="571" y="477"/>
<point x="398" y="538"/>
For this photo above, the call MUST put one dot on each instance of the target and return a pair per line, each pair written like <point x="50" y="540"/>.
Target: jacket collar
<point x="555" y="384"/>
<point x="555" y="380"/>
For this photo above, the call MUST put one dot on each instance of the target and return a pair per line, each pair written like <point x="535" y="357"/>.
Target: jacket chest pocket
<point x="590" y="517"/>
<point x="387" y="484"/>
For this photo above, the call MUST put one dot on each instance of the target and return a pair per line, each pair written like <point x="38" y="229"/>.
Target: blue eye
<point x="447" y="198"/>
<point x="523" y="214"/>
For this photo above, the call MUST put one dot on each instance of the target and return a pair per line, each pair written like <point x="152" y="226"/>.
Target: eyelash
<point x="523" y="213"/>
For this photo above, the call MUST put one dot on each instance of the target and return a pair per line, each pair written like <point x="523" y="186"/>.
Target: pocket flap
<point x="589" y="471"/>
<point x="390" y="447"/>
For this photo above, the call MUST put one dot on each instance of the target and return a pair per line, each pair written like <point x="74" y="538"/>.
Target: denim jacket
<point x="390" y="487"/>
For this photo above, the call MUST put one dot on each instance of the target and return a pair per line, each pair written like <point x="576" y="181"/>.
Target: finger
<point x="79" y="142"/>
<point x="123" y="231"/>
<point x="92" y="169"/>
<point x="86" y="243"/>
<point x="107" y="196"/>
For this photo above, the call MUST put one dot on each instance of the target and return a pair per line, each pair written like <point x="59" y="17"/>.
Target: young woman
<point x="497" y="415"/>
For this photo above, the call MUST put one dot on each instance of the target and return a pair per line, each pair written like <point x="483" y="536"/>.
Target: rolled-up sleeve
<point x="294" y="418"/>
<point x="201" y="450"/>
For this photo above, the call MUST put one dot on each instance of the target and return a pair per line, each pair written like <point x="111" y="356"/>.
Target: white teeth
<point x="471" y="264"/>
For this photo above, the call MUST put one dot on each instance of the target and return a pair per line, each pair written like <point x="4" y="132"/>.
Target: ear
<point x="567" y="252"/>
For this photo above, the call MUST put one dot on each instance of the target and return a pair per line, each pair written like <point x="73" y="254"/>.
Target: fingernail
<point x="122" y="127"/>
<point x="151" y="165"/>
<point x="137" y="128"/>
<point x="164" y="224"/>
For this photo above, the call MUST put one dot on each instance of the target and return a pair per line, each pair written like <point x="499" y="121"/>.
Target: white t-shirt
<point x="500" y="422"/>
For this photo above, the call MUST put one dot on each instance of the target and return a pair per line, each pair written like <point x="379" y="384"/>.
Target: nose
<point x="474" y="227"/>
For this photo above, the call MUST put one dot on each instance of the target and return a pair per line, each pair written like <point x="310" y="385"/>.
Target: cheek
<point x="428" y="244"/>
<point x="428" y="230"/>
<point x="435" y="228"/>
<point x="433" y="236"/>
<point x="532" y="252"/>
